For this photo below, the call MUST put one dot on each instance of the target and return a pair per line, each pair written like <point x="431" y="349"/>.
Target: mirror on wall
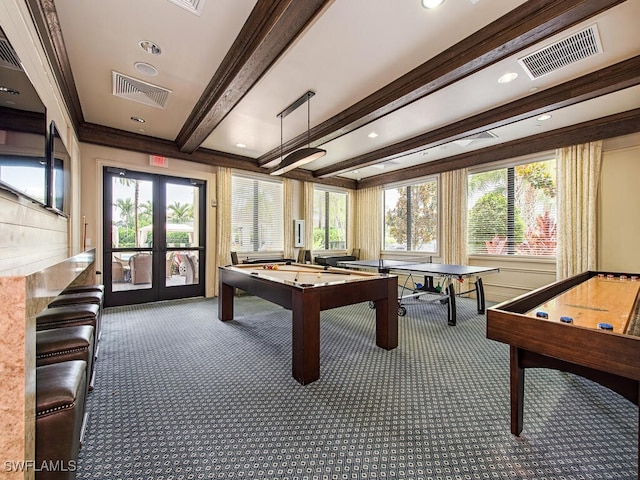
<point x="23" y="130"/>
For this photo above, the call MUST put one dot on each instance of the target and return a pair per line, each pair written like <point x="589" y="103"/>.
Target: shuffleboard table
<point x="306" y="290"/>
<point x="586" y="325"/>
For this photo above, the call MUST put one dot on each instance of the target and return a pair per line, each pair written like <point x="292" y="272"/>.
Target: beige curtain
<point x="308" y="216"/>
<point x="287" y="187"/>
<point x="223" y="239"/>
<point x="453" y="231"/>
<point x="578" y="177"/>
<point x="351" y="224"/>
<point x="368" y="222"/>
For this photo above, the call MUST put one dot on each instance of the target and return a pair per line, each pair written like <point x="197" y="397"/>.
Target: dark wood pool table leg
<point x="517" y="391"/>
<point x="387" y="319"/>
<point x="225" y="301"/>
<point x="305" y="337"/>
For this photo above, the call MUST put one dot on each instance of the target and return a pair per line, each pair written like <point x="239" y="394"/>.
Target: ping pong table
<point x="444" y="293"/>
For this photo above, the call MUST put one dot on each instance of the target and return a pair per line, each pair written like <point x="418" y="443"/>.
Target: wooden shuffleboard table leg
<point x="517" y="391"/>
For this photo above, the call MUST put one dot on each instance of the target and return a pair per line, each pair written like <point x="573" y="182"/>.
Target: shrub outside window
<point x="329" y="220"/>
<point x="411" y="217"/>
<point x="512" y="210"/>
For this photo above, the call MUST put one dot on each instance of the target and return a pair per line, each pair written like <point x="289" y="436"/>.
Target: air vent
<point x="8" y="56"/>
<point x="466" y="141"/>
<point x="193" y="6"/>
<point x="578" y="46"/>
<point x="139" y="91"/>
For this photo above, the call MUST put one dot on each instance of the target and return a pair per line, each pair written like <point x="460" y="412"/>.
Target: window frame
<point x="328" y="190"/>
<point x="407" y="183"/>
<point x="506" y="164"/>
<point x="263" y="179"/>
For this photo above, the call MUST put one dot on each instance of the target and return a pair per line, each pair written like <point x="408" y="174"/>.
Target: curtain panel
<point x="578" y="178"/>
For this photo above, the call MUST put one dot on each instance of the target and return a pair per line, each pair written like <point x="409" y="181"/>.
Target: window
<point x="411" y="217"/>
<point x="512" y="210"/>
<point x="329" y="220"/>
<point x="257" y="218"/>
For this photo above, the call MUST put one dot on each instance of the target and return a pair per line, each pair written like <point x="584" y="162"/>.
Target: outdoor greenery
<point x="531" y="230"/>
<point x="329" y="220"/>
<point x="130" y="216"/>
<point x="412" y="222"/>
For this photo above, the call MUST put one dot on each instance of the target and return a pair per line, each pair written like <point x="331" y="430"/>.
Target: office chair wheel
<point x="372" y="304"/>
<point x="402" y="311"/>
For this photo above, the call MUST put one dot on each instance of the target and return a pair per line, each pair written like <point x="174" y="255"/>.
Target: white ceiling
<point x="351" y="50"/>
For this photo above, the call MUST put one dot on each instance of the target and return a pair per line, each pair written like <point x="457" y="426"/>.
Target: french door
<point x="154" y="237"/>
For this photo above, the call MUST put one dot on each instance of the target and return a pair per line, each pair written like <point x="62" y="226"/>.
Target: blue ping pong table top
<point x="421" y="267"/>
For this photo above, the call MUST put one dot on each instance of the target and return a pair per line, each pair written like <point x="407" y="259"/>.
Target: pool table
<point x="306" y="290"/>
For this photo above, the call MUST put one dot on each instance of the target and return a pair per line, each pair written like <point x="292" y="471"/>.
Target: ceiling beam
<point x="266" y="35"/>
<point x="611" y="126"/>
<point x="135" y="142"/>
<point x="602" y="82"/>
<point x="521" y="28"/>
<point x="47" y="24"/>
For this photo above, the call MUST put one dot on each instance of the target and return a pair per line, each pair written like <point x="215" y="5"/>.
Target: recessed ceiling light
<point x="508" y="77"/>
<point x="150" y="47"/>
<point x="431" y="3"/>
<point x="379" y="165"/>
<point x="372" y="135"/>
<point x="146" y="68"/>
<point x="544" y="117"/>
<point x="241" y="145"/>
<point x="138" y="119"/>
<point x="356" y="171"/>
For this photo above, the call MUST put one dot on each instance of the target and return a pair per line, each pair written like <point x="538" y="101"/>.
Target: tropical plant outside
<point x="411" y="217"/>
<point x="513" y="210"/>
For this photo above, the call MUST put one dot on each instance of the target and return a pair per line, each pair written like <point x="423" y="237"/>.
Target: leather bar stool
<point x="90" y="297"/>
<point x="68" y="343"/>
<point x="70" y="316"/>
<point x="60" y="401"/>
<point x="84" y="288"/>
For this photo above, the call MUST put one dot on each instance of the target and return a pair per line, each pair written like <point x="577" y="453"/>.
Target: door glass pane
<point x="131" y="270"/>
<point x="132" y="208"/>
<point x="182" y="210"/>
<point x="182" y="268"/>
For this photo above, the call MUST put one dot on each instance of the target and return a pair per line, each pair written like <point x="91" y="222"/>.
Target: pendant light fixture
<point x="304" y="155"/>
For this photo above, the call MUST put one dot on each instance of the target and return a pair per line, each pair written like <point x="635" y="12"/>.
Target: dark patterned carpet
<point x="181" y="395"/>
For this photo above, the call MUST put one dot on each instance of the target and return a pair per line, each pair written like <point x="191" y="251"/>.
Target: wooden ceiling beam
<point x="521" y="28"/>
<point x="611" y="126"/>
<point x="602" y="82"/>
<point x="134" y="142"/>
<point x="266" y="35"/>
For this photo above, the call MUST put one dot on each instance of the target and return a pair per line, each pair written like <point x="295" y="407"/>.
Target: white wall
<point x="619" y="206"/>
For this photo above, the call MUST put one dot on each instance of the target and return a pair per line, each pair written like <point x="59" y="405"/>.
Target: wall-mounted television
<point x="57" y="165"/>
<point x="32" y="157"/>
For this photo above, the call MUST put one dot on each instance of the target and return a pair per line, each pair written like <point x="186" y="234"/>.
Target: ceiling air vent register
<point x="139" y="91"/>
<point x="193" y="6"/>
<point x="578" y="46"/>
<point x="8" y="56"/>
